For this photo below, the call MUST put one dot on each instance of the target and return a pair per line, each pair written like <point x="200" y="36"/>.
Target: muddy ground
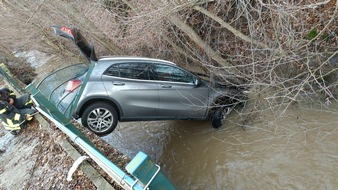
<point x="34" y="159"/>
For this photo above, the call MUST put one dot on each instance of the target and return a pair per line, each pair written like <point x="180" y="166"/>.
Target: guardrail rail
<point x="144" y="174"/>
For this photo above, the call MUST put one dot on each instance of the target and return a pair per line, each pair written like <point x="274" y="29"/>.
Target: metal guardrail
<point x="146" y="174"/>
<point x="9" y="78"/>
<point x="111" y="169"/>
<point x="65" y="125"/>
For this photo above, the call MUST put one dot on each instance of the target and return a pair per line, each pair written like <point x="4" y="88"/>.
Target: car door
<point x="129" y="85"/>
<point x="179" y="96"/>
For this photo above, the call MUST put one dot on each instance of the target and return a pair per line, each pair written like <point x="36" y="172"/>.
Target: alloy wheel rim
<point x="225" y="112"/>
<point x="100" y="119"/>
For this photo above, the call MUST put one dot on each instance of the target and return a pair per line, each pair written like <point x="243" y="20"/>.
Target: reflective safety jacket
<point x="10" y="116"/>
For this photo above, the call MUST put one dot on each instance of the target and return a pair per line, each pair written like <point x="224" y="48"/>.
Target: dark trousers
<point x="22" y="102"/>
<point x="24" y="105"/>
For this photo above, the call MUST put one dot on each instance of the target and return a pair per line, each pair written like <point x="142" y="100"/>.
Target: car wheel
<point x="101" y="118"/>
<point x="219" y="116"/>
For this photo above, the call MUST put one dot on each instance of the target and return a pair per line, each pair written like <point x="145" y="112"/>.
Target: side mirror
<point x="197" y="81"/>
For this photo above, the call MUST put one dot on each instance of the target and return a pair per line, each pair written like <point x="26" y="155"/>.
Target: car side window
<point x="113" y="71"/>
<point x="129" y="70"/>
<point x="170" y="73"/>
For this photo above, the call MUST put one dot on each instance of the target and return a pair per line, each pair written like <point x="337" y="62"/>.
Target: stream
<point x="295" y="148"/>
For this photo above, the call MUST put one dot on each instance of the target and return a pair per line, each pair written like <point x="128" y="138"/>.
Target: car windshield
<point x="53" y="85"/>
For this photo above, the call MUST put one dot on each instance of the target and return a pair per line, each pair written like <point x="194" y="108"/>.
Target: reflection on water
<point x="296" y="150"/>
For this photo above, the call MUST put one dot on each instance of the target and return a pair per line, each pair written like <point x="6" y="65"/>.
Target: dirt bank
<point x="34" y="160"/>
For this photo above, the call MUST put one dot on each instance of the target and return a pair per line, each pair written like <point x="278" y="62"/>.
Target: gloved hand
<point x="29" y="117"/>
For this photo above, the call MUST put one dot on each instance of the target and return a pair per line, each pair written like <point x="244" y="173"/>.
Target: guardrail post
<point x="148" y="173"/>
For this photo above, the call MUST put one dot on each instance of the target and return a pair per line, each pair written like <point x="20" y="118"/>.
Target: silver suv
<point x="138" y="89"/>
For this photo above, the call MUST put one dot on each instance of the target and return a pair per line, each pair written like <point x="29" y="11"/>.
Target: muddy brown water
<point x="294" y="148"/>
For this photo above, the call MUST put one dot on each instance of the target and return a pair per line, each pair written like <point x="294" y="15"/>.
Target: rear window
<point x="53" y="85"/>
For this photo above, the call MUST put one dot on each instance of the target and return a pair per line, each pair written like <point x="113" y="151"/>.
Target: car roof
<point x="133" y="58"/>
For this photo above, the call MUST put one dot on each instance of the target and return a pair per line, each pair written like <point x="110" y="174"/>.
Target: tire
<point x="219" y="116"/>
<point x="100" y="118"/>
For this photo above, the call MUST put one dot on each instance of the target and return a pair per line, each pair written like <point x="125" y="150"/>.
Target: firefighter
<point x="15" y="112"/>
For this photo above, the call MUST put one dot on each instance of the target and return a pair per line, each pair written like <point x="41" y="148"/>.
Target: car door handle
<point x="118" y="83"/>
<point x="165" y="86"/>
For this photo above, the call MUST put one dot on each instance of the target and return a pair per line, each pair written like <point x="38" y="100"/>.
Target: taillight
<point x="73" y="85"/>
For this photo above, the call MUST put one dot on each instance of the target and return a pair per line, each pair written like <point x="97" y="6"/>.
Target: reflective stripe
<point x="3" y="111"/>
<point x="17" y="117"/>
<point x="29" y="102"/>
<point x="10" y="122"/>
<point x="10" y="125"/>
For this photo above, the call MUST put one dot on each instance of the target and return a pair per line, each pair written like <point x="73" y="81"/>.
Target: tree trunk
<point x="230" y="28"/>
<point x="204" y="46"/>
